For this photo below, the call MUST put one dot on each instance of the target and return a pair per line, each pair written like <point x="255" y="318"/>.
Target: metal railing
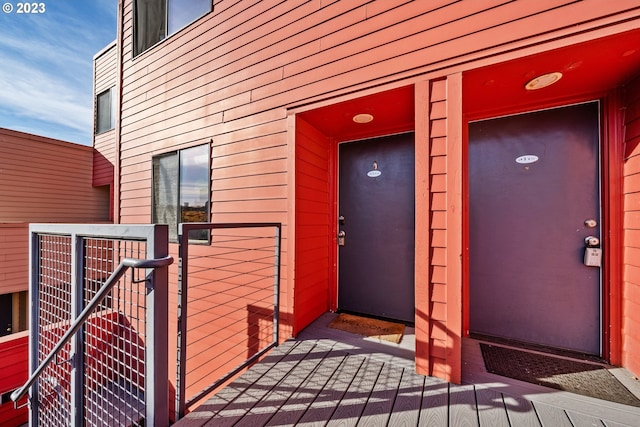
<point x="228" y="303"/>
<point x="89" y="309"/>
<point x="98" y="346"/>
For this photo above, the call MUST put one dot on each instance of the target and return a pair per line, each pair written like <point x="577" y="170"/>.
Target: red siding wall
<point x="41" y="180"/>
<point x="631" y="271"/>
<point x="105" y="77"/>
<point x="234" y="75"/>
<point x="438" y="214"/>
<point x="440" y="318"/>
<point x="14" y="354"/>
<point x="14" y="263"/>
<point x="313" y="225"/>
<point x="46" y="180"/>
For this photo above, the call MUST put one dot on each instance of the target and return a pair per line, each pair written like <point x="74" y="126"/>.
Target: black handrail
<point x="102" y="293"/>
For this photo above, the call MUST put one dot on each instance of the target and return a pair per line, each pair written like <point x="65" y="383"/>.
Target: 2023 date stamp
<point x="25" y="8"/>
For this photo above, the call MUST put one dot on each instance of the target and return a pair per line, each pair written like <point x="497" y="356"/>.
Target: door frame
<point x="611" y="211"/>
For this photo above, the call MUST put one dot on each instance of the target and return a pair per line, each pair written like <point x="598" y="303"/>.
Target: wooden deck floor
<point x="328" y="378"/>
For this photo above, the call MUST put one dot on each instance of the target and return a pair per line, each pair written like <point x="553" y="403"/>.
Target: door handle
<point x="590" y="223"/>
<point x="341" y="236"/>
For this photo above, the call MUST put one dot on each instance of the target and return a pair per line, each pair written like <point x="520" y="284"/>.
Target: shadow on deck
<point x="328" y="378"/>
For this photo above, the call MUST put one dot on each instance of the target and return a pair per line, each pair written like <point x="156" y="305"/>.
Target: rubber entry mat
<point x="562" y="374"/>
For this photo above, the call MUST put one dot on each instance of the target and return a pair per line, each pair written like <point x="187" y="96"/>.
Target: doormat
<point x="562" y="374"/>
<point x="365" y="326"/>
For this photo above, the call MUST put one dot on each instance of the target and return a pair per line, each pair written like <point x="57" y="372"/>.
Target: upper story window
<point x="181" y="190"/>
<point x="105" y="111"/>
<point x="157" y="19"/>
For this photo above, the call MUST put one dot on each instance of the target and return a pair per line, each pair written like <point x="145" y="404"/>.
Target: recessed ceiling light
<point x="362" y="118"/>
<point x="543" y="81"/>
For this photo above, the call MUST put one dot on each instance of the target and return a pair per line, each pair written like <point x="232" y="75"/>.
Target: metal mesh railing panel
<point x="93" y="360"/>
<point x="230" y="303"/>
<point x="53" y="320"/>
<point x="114" y="357"/>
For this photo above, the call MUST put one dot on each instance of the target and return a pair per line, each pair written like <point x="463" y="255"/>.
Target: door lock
<point x="341" y="236"/>
<point x="591" y="241"/>
<point x="592" y="252"/>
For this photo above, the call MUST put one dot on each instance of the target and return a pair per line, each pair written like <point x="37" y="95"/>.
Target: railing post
<point x="276" y="301"/>
<point x="183" y="275"/>
<point x="34" y="320"/>
<point x="156" y="378"/>
<point x="77" y="343"/>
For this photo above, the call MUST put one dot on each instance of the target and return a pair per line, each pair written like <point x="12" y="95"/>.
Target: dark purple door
<point x="376" y="200"/>
<point x="533" y="198"/>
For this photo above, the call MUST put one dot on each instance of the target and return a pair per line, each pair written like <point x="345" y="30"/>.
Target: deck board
<point x="297" y="405"/>
<point x="491" y="410"/>
<point x="521" y="412"/>
<point x="323" y="407"/>
<point x="324" y="379"/>
<point x="378" y="409"/>
<point x="435" y="403"/>
<point x="245" y="402"/>
<point x="406" y="410"/>
<point x="582" y="420"/>
<point x="225" y="396"/>
<point x="552" y="417"/>
<point x="276" y="398"/>
<point x="354" y="400"/>
<point x="463" y="410"/>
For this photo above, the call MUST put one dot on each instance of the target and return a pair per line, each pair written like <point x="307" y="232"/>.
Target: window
<point x="105" y="111"/>
<point x="157" y="19"/>
<point x="181" y="190"/>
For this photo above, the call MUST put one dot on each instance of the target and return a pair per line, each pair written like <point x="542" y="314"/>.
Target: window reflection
<point x="181" y="13"/>
<point x="194" y="188"/>
<point x="181" y="190"/>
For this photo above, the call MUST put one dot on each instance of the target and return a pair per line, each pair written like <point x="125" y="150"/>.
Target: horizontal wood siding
<point x="105" y="77"/>
<point x="14" y="257"/>
<point x="438" y="335"/>
<point x="313" y="226"/>
<point x="14" y="357"/>
<point x="41" y="180"/>
<point x="232" y="76"/>
<point x="631" y="270"/>
<point x="249" y="57"/>
<point x="46" y="180"/>
<point x="423" y="108"/>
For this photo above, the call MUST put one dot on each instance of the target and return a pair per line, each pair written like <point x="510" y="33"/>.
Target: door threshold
<point x="539" y="348"/>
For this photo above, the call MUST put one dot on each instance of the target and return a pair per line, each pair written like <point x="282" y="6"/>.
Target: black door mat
<point x="523" y="345"/>
<point x="569" y="375"/>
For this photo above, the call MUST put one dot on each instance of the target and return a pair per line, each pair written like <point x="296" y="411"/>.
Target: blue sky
<point x="46" y="66"/>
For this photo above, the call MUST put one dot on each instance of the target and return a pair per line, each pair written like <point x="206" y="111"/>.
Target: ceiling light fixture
<point x="362" y="118"/>
<point x="543" y="81"/>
